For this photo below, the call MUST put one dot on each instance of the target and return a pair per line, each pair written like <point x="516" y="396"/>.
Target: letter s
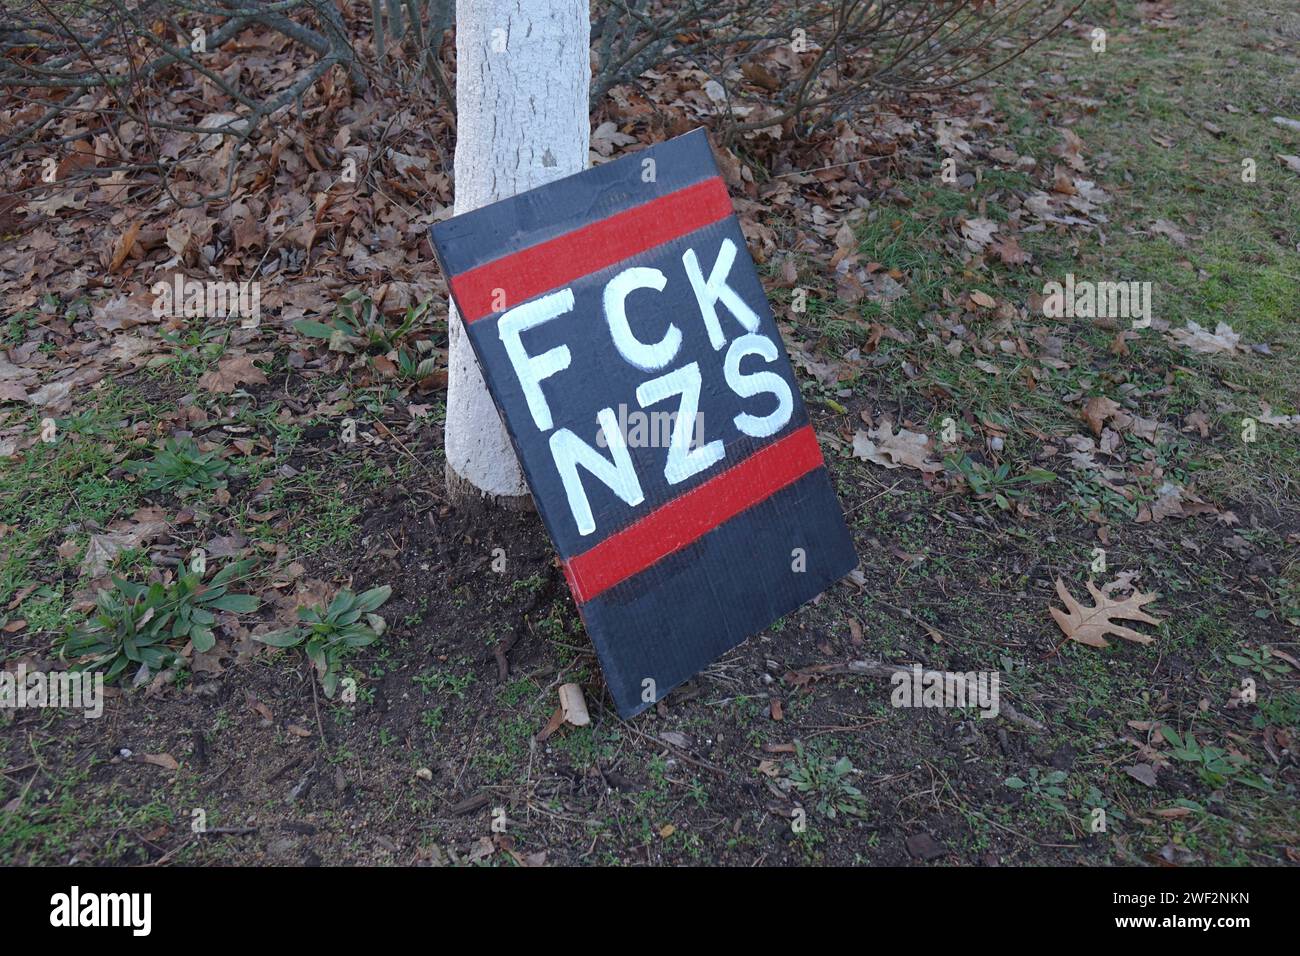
<point x="756" y="383"/>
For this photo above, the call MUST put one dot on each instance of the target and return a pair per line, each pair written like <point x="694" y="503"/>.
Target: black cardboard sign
<point x="627" y="341"/>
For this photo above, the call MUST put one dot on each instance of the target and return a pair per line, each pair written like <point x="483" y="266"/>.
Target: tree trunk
<point x="523" y="74"/>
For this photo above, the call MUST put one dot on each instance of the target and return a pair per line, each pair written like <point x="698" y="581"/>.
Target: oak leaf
<point x="1222" y="339"/>
<point x="884" y="446"/>
<point x="1098" y="410"/>
<point x="978" y="233"/>
<point x="1009" y="251"/>
<point x="233" y="371"/>
<point x="1090" y="625"/>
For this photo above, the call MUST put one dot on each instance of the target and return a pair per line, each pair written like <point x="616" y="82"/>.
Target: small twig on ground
<point x="676" y="751"/>
<point x="1005" y="708"/>
<point x="470" y="804"/>
<point x="285" y="769"/>
<point x="320" y="726"/>
<point x="166" y="857"/>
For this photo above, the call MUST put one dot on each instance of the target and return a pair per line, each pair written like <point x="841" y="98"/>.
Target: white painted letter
<point x="756" y="383"/>
<point x="570" y="451"/>
<point x="709" y="294"/>
<point x="648" y="358"/>
<point x="531" y="369"/>
<point x="682" y="460"/>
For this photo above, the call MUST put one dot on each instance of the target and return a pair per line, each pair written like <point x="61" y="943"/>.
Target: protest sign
<point x="626" y="339"/>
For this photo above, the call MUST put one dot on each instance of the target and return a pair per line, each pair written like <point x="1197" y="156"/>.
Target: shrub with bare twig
<point x="764" y="67"/>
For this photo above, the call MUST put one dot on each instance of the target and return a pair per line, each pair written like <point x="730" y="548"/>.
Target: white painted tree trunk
<point x="523" y="74"/>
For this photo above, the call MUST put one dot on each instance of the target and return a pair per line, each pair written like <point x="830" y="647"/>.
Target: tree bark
<point x="523" y="76"/>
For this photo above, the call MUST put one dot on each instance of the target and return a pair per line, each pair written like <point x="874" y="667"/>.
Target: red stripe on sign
<point x="686" y="519"/>
<point x="556" y="262"/>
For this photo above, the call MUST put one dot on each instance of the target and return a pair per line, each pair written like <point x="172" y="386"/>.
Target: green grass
<point x="65" y="484"/>
<point x="1240" y="265"/>
<point x="49" y="826"/>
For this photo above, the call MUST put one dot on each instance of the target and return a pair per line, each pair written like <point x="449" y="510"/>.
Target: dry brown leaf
<point x="1009" y="251"/>
<point x="1143" y="773"/>
<point x="845" y="239"/>
<point x="1284" y="421"/>
<point x="81" y="157"/>
<point x="166" y="761"/>
<point x="145" y="525"/>
<point x="759" y="76"/>
<point x="1098" y="409"/>
<point x="1090" y="625"/>
<point x="1198" y="420"/>
<point x="1284" y="656"/>
<point x="1070" y="149"/>
<point x="1168" y="503"/>
<point x="22" y="595"/>
<point x="124" y="246"/>
<point x="1222" y="339"/>
<point x="855" y="631"/>
<point x="232" y="371"/>
<point x="827" y="373"/>
<point x="978" y="233"/>
<point x="1163" y="227"/>
<point x="894" y="450"/>
<point x="949" y="136"/>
